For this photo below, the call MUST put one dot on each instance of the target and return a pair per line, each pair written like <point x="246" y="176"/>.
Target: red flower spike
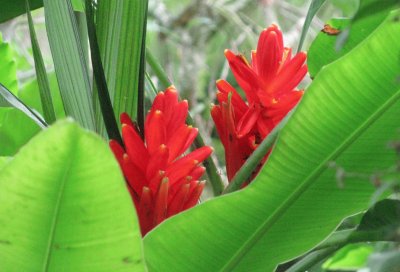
<point x="162" y="181"/>
<point x="269" y="83"/>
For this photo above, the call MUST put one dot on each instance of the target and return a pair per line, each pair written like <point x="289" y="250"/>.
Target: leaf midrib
<point x="279" y="212"/>
<point x="64" y="178"/>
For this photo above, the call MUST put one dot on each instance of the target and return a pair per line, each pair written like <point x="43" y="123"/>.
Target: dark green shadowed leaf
<point x="296" y="200"/>
<point x="41" y="74"/>
<point x="69" y="61"/>
<point x="312" y="10"/>
<point x="69" y="209"/>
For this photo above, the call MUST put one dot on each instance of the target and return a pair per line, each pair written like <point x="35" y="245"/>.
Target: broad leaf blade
<point x="69" y="61"/>
<point x="68" y="210"/>
<point x="41" y="74"/>
<point x="347" y="116"/>
<point x="13" y="8"/>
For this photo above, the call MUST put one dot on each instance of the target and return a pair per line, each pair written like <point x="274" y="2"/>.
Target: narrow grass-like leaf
<point x="346" y="118"/>
<point x="141" y="79"/>
<point x="120" y="26"/>
<point x="69" y="61"/>
<point x="312" y="10"/>
<point x="104" y="96"/>
<point x="41" y="74"/>
<point x="13" y="101"/>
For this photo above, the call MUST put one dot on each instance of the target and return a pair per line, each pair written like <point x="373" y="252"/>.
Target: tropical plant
<point x="81" y="192"/>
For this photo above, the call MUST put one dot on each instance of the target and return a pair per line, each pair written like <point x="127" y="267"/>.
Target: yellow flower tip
<point x="165" y="180"/>
<point x="161" y="173"/>
<point x="145" y="189"/>
<point x="195" y="162"/>
<point x="123" y="125"/>
<point x="125" y="157"/>
<point x="163" y="147"/>
<point x="188" y="178"/>
<point x="158" y="112"/>
<point x="218" y="81"/>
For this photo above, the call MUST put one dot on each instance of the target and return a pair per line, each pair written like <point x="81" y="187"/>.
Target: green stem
<point x="158" y="70"/>
<point x="212" y="171"/>
<point x="251" y="163"/>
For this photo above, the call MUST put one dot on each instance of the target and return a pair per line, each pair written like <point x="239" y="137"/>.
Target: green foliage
<point x="327" y="48"/>
<point x="297" y="200"/>
<point x="8" y="68"/>
<point x="350" y="257"/>
<point x="69" y="62"/>
<point x="64" y="206"/>
<point x="121" y="29"/>
<point x="41" y="74"/>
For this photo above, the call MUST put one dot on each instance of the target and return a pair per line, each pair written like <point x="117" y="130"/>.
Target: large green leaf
<point x="69" y="61"/>
<point x="346" y="118"/>
<point x="120" y="28"/>
<point x="64" y="207"/>
<point x="328" y="47"/>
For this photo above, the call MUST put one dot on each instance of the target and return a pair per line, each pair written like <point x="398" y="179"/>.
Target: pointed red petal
<point x="117" y="150"/>
<point x="193" y="198"/>
<point x="135" y="146"/>
<point x="247" y="122"/>
<point x="179" y="199"/>
<point x="178" y="145"/>
<point x="155" y="131"/>
<point x="160" y="207"/>
<point x="245" y="76"/>
<point x="268" y="54"/>
<point x="145" y="211"/>
<point x="178" y="117"/>
<point x="133" y="174"/>
<point x="158" y="161"/>
<point x="125" y="119"/>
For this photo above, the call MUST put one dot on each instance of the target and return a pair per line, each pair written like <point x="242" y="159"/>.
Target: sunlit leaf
<point x="64" y="206"/>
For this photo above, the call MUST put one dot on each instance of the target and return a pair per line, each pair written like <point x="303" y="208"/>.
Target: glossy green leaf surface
<point x="327" y="47"/>
<point x="120" y="34"/>
<point x="69" y="61"/>
<point x="346" y="119"/>
<point x="77" y="213"/>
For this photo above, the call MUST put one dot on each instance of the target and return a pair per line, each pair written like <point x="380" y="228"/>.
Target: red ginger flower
<point x="269" y="83"/>
<point x="161" y="181"/>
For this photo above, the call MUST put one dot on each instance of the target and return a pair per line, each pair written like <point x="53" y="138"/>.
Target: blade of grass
<point x="69" y="61"/>
<point x="41" y="74"/>
<point x="13" y="101"/>
<point x="98" y="71"/>
<point x="255" y="159"/>
<point x="212" y="171"/>
<point x="312" y="10"/>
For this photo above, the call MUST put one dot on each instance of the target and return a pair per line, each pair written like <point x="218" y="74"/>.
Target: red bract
<point x="269" y="83"/>
<point x="161" y="180"/>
